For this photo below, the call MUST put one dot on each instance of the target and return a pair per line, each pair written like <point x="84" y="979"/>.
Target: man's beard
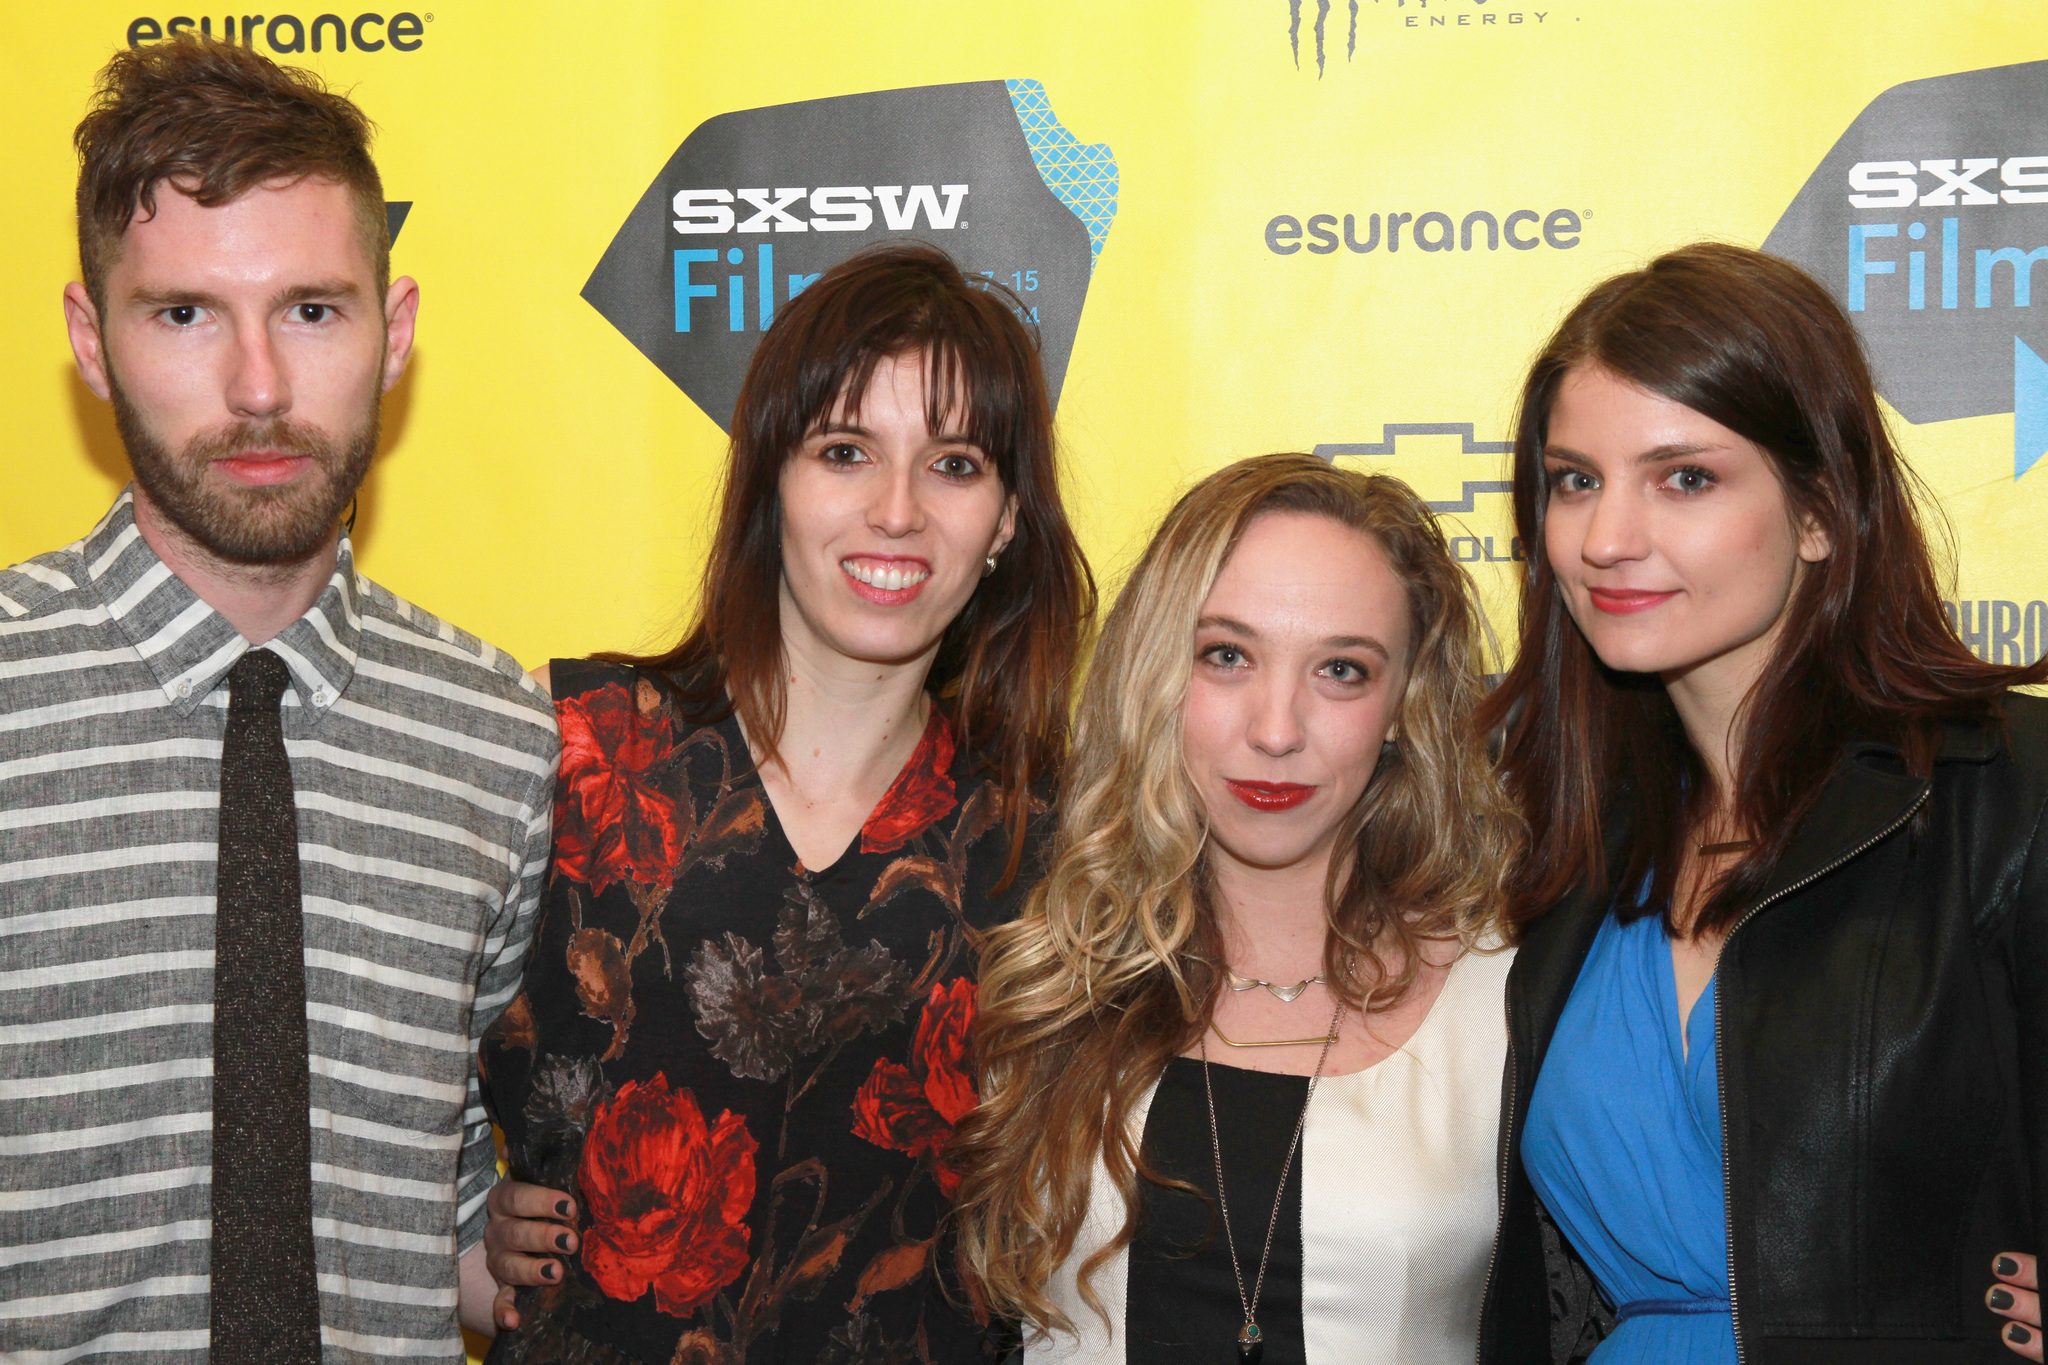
<point x="244" y="525"/>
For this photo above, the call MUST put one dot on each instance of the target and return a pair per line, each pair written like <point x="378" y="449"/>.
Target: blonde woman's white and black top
<point x="1385" y="1226"/>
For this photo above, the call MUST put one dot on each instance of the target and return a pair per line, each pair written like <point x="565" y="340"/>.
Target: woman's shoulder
<point x="1470" y="1010"/>
<point x="1995" y="767"/>
<point x="1481" y="971"/>
<point x="2025" y="718"/>
<point x="569" y="678"/>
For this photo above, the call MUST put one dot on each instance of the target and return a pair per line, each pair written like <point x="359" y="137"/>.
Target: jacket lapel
<point x="1547" y="964"/>
<point x="1861" y="803"/>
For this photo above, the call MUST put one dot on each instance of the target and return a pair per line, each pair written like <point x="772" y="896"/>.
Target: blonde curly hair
<point x="1117" y="960"/>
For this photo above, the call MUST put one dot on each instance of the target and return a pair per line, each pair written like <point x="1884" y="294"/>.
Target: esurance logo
<point x="757" y="204"/>
<point x="1360" y="234"/>
<point x="285" y="33"/>
<point x="1926" y="220"/>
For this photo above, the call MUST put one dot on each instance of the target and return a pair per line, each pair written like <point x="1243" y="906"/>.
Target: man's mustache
<point x="276" y="434"/>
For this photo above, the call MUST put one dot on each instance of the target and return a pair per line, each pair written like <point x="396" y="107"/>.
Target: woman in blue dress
<point x="1778" y="1026"/>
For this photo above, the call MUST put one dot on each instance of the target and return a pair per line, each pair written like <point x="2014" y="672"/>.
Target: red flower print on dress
<point x="668" y="1197"/>
<point x="913" y="1109"/>
<point x="919" y="798"/>
<point x="612" y="824"/>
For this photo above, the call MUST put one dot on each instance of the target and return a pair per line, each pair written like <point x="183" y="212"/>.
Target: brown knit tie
<point x="266" y="1301"/>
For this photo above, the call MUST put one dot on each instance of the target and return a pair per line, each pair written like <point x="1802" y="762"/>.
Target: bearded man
<point x="271" y="839"/>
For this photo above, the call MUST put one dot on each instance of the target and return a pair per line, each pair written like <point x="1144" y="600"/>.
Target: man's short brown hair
<point x="215" y="121"/>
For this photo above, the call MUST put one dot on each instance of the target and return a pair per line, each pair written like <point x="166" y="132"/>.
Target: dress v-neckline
<point x="1679" y="1021"/>
<point x="932" y="717"/>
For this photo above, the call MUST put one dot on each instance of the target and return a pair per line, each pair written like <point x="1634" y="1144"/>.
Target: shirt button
<point x="184" y="687"/>
<point x="322" y="697"/>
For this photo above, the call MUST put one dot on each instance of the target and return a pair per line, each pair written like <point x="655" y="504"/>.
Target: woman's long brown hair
<point x="1005" y="665"/>
<point x="1757" y="345"/>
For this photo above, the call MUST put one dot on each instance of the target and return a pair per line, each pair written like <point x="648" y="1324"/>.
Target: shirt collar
<point x="189" y="647"/>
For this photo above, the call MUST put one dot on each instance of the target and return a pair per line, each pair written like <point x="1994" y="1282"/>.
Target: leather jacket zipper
<point x="1507" y="1144"/>
<point x="1721" y="1066"/>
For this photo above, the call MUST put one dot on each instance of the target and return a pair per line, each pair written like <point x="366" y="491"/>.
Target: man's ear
<point x="88" y="343"/>
<point x="401" y="310"/>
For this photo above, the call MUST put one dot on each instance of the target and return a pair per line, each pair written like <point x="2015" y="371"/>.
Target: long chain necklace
<point x="1251" y="1343"/>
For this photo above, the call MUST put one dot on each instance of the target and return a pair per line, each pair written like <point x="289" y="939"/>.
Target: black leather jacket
<point x="1882" y="1038"/>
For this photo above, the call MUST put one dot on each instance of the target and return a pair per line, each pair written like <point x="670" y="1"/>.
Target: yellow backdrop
<point x="546" y="486"/>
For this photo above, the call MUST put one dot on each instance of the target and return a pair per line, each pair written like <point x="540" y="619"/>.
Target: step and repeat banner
<point x="1339" y="225"/>
<point x="1240" y="225"/>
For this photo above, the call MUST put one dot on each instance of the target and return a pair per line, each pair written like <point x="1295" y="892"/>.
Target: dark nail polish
<point x="551" y="1271"/>
<point x="2018" y="1335"/>
<point x="2001" y="1299"/>
<point x="562" y="1244"/>
<point x="2006" y="1265"/>
<point x="562" y="1209"/>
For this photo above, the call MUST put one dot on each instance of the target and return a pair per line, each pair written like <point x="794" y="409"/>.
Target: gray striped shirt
<point x="424" y="767"/>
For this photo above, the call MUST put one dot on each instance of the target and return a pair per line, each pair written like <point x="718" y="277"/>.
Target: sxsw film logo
<point x="1927" y="220"/>
<point x="756" y="204"/>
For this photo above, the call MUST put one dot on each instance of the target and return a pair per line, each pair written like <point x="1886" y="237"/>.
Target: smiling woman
<point x="741" y="1049"/>
<point x="1781" y="1002"/>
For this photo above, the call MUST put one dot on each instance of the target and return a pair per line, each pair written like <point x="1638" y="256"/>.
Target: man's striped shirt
<point x="423" y="762"/>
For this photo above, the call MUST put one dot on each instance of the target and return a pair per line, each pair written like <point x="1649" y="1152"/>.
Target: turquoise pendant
<point x="1251" y="1344"/>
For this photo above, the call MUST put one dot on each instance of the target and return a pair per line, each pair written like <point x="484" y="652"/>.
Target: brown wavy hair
<point x="215" y="121"/>
<point x="1116" y="962"/>
<point x="1756" y="344"/>
<point x="1005" y="666"/>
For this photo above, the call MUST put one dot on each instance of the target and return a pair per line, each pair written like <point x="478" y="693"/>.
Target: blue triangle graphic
<point x="2029" y="407"/>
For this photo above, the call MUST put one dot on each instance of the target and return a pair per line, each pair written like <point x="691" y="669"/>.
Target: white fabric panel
<point x="1399" y="1187"/>
<point x="1399" y="1202"/>
<point x="1095" y="1342"/>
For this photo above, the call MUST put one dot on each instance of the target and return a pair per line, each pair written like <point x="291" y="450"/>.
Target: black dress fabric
<point x="744" y="1069"/>
<point x="1182" y="1306"/>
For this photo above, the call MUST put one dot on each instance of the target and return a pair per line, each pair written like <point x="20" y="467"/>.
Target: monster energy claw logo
<point x="1322" y="17"/>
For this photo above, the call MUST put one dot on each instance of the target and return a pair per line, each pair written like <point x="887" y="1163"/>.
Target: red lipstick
<point x="1269" y="796"/>
<point x="1627" y="601"/>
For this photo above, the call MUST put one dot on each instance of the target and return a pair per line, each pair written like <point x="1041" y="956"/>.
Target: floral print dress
<point x="745" y="1070"/>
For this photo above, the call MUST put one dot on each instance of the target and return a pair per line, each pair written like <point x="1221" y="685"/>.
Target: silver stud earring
<point x="988" y="566"/>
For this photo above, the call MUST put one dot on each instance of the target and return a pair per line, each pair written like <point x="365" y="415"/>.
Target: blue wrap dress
<point x="1623" y="1144"/>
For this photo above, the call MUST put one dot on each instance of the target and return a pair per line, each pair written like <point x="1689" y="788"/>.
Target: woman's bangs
<point x="964" y="392"/>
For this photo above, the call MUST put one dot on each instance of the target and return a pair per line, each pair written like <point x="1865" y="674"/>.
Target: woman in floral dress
<point x="738" y="1055"/>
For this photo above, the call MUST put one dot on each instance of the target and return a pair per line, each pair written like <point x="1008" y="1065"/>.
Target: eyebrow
<point x="316" y="291"/>
<point x="1237" y="627"/>
<point x="1677" y="450"/>
<point x="1359" y="642"/>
